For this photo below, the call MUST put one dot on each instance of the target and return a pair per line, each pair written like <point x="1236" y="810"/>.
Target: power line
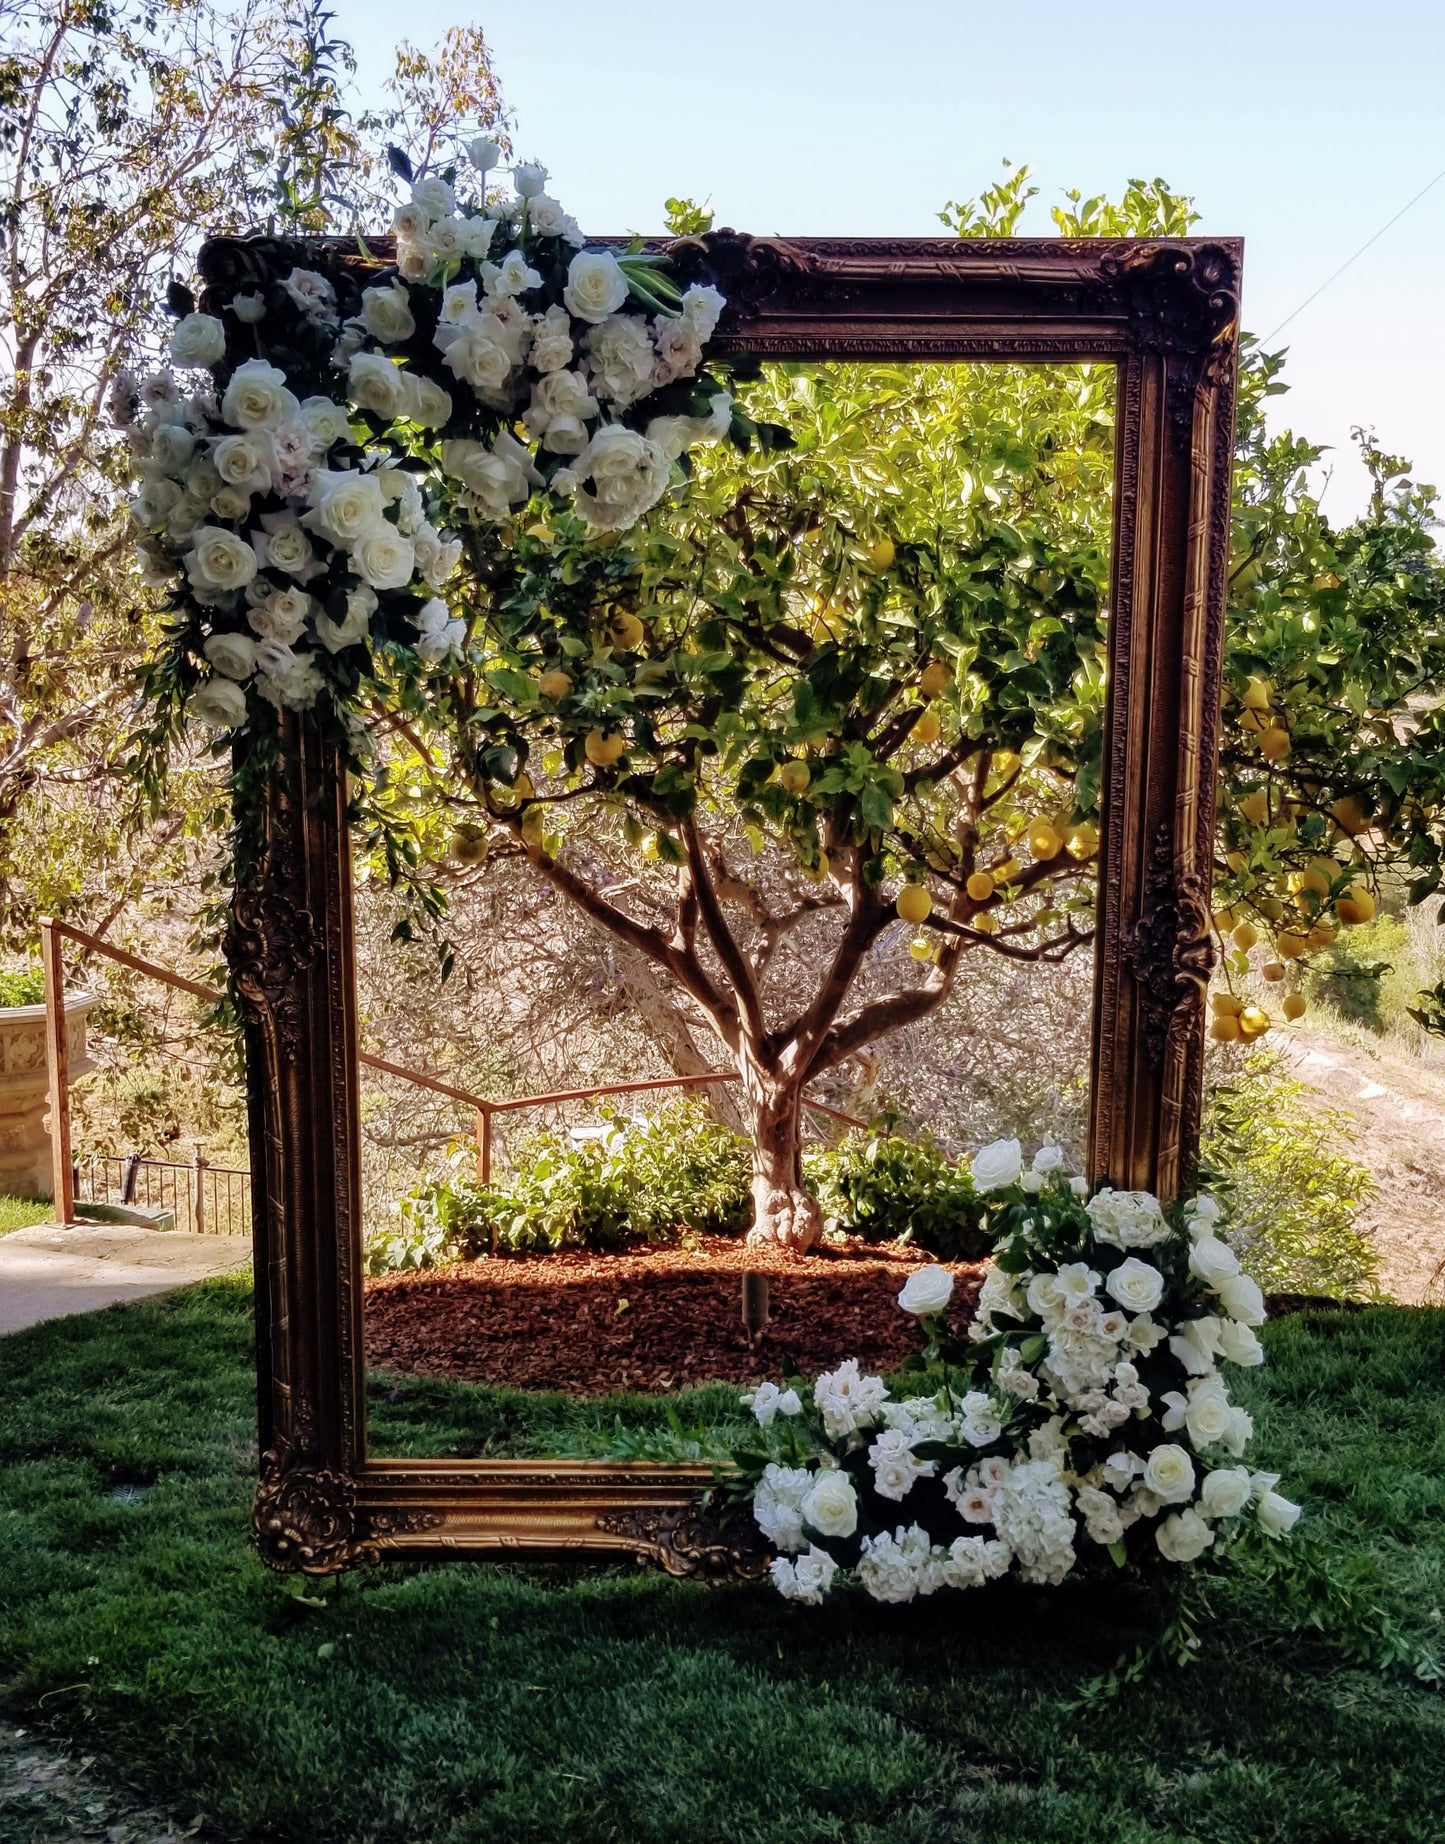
<point x="1355" y="258"/>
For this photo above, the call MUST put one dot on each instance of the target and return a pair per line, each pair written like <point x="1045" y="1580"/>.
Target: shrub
<point x="1293" y="1195"/>
<point x="884" y="1187"/>
<point x="647" y="1179"/>
<point x="22" y="986"/>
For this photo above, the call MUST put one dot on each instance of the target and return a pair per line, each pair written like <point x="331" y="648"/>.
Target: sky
<point x="1301" y="128"/>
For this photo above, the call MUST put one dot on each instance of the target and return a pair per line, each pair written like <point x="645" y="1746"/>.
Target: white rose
<point x="1136" y="1285"/>
<point x="1183" y="1537"/>
<point x="1048" y="1158"/>
<point x="1277" y="1516"/>
<point x="325" y="421"/>
<point x="386" y="313"/>
<point x="777" y="1504"/>
<point x="483" y="153"/>
<point x="1239" y="1344"/>
<point x="1209" y="1415"/>
<point x="347" y="505"/>
<point x="245" y="462"/>
<point x="679" y="350"/>
<point x="1169" y="1474"/>
<point x="1212" y="1261"/>
<point x="228" y="503"/>
<point x="374" y="383"/>
<point x="1226" y="1491"/>
<point x="628" y="474"/>
<point x="198" y="339"/>
<point x="220" y="703"/>
<point x="764" y="1403"/>
<point x="547" y="217"/>
<point x="552" y="341"/>
<point x="250" y="310"/>
<point x="996" y="1166"/>
<point x="218" y="559"/>
<point x="155" y="499"/>
<point x="561" y="393"/>
<point x="596" y="286"/>
<point x="529" y="179"/>
<point x="1079" y="1185"/>
<point x="1237" y="1434"/>
<point x="257" y="397"/>
<point x="232" y="655"/>
<point x="438" y="634"/>
<point x="355" y="624"/>
<point x="1208" y="1209"/>
<point x="927" y="1290"/>
<point x="313" y="294"/>
<point x="384" y="558"/>
<point x="1241" y="1299"/>
<point x="498" y="478"/>
<point x="282" y="545"/>
<point x="433" y="196"/>
<point x="675" y="434"/>
<point x="831" y="1505"/>
<point x="479" y="354"/>
<point x="565" y="436"/>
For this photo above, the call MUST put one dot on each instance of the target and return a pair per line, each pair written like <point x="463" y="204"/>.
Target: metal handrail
<point x="51" y="935"/>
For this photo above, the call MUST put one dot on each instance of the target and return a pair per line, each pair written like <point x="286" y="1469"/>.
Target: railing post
<point x="198" y="1192"/>
<point x="484" y="1145"/>
<point x="129" y="1169"/>
<point x="57" y="1061"/>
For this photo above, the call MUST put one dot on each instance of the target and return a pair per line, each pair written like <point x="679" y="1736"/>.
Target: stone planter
<point x="24" y="1130"/>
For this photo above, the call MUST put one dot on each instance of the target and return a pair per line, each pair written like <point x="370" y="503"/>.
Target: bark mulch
<point x="648" y="1318"/>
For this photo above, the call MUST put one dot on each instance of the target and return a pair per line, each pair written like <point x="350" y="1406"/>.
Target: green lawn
<point x="21" y="1212"/>
<point x="470" y="1703"/>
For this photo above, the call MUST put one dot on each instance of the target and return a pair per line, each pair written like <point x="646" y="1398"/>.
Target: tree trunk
<point x="783" y="1212"/>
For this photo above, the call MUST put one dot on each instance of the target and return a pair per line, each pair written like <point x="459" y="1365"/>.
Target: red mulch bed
<point x="557" y="1322"/>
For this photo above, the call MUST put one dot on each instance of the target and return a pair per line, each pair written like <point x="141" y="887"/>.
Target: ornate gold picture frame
<point x="1165" y="314"/>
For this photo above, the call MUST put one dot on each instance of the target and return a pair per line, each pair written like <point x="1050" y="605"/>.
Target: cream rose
<point x="198" y="339"/>
<point x="1212" y="1261"/>
<point x="355" y="624"/>
<point x="1239" y="1344"/>
<point x="1241" y="1299"/>
<point x="282" y="545"/>
<point x="479" y="354"/>
<point x="348" y="505"/>
<point x="374" y="383"/>
<point x="218" y="559"/>
<point x="927" y="1290"/>
<point x="257" y="397"/>
<point x="281" y="616"/>
<point x="424" y="402"/>
<point x="1277" y="1516"/>
<point x="1225" y="1492"/>
<point x="1169" y="1474"/>
<point x="596" y="286"/>
<point x="232" y="655"/>
<point x="245" y="461"/>
<point x="1208" y="1414"/>
<point x="325" y="421"/>
<point x="831" y="1504"/>
<point x="1136" y="1285"/>
<point x="433" y="196"/>
<point x="386" y="313"/>
<point x="384" y="558"/>
<point x="997" y="1165"/>
<point x="1183" y="1537"/>
<point x="220" y="703"/>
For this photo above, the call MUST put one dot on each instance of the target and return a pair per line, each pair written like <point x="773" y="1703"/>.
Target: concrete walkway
<point x="49" y="1273"/>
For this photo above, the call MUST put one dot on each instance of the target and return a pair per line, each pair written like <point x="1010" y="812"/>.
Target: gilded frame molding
<point x="1165" y="313"/>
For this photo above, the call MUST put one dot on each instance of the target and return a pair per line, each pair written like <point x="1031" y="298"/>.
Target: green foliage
<point x="885" y="1187"/>
<point x="1293" y="1194"/>
<point x="645" y="1180"/>
<point x="469" y="1701"/>
<point x="22" y="986"/>
<point x="1373" y="972"/>
<point x="21" y="1212"/>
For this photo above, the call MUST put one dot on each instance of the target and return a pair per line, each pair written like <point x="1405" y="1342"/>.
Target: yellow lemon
<point x="1294" y="1006"/>
<point x="468" y="845"/>
<point x="1006" y="872"/>
<point x="935" y="680"/>
<point x="914" y="903"/>
<point x="603" y="747"/>
<point x="625" y="632"/>
<point x="1224" y="920"/>
<point x="1225" y="1005"/>
<point x="980" y="886"/>
<point x="880" y="554"/>
<point x="795" y="776"/>
<point x="1320" y="937"/>
<point x="927" y="727"/>
<point x="1236" y="861"/>
<point x="1005" y="761"/>
<point x="1083" y="840"/>
<point x="1044" y="840"/>
<point x="554" y="685"/>
<point x="1289" y="946"/>
<point x="1274" y="744"/>
<point x="1244" y="935"/>
<point x="1257" y="695"/>
<point x="1356" y="905"/>
<point x="1253" y="1022"/>
<point x="1349" y="814"/>
<point x="986" y="924"/>
<point x="1225" y="1029"/>
<point x="1273" y="969"/>
<point x="1270" y="908"/>
<point x="1255" y="807"/>
<point x="921" y="948"/>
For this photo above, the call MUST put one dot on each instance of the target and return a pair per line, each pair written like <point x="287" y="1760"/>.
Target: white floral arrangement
<point x="1083" y="1423"/>
<point x="306" y="497"/>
